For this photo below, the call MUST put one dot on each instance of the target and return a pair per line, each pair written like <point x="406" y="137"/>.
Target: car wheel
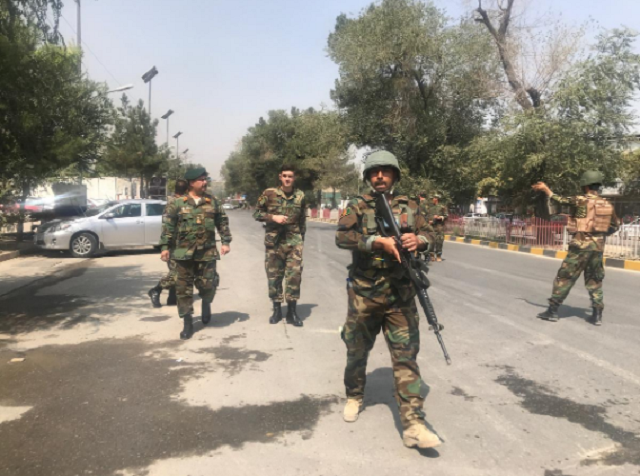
<point x="84" y="245"/>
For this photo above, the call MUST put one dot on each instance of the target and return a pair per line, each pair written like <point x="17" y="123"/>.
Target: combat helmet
<point x="591" y="177"/>
<point x="380" y="158"/>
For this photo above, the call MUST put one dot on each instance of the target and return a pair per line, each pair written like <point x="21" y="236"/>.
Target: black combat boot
<point x="206" y="312"/>
<point x="292" y="315"/>
<point x="551" y="314"/>
<point x="154" y="294"/>
<point x="172" y="300"/>
<point x="187" y="331"/>
<point x="596" y="317"/>
<point x="277" y="313"/>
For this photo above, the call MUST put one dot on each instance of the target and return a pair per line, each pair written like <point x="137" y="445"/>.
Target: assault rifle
<point x="417" y="269"/>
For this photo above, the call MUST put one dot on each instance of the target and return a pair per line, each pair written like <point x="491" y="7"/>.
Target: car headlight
<point x="58" y="227"/>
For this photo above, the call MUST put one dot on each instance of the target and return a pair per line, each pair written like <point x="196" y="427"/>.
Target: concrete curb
<point x="6" y="256"/>
<point x="608" y="262"/>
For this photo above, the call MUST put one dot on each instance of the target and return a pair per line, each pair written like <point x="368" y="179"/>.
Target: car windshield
<point x="91" y="212"/>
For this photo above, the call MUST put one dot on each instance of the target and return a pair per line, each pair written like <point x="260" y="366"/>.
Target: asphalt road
<point x="107" y="387"/>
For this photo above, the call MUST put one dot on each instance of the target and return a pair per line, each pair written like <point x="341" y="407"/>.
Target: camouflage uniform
<point x="283" y="243"/>
<point x="585" y="254"/>
<point x="431" y="211"/>
<point x="189" y="231"/>
<point x="168" y="281"/>
<point x="381" y="297"/>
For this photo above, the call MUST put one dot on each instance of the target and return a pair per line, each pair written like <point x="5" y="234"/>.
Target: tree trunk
<point x="143" y="192"/>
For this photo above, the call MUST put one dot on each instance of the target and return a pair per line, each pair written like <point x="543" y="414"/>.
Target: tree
<point x="580" y="127"/>
<point x="415" y="84"/>
<point x="132" y="150"/>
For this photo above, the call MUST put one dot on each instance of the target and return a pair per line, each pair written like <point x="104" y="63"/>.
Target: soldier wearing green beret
<point x="592" y="219"/>
<point x="188" y="236"/>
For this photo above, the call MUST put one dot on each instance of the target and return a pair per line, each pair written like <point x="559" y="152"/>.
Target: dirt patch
<point x="235" y="360"/>
<point x="458" y="392"/>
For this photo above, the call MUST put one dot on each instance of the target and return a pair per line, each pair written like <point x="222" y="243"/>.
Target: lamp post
<point x="121" y="88"/>
<point x="147" y="77"/>
<point x="184" y="154"/>
<point x="177" y="138"/>
<point x="166" y="116"/>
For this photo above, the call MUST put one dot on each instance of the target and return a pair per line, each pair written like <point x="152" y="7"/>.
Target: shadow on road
<point x="225" y="319"/>
<point x="564" y="312"/>
<point x="304" y="310"/>
<point x="103" y="292"/>
<point x="380" y="390"/>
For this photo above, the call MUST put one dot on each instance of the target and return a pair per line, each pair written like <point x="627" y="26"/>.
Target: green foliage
<point x="578" y="129"/>
<point x="132" y="150"/>
<point x="414" y="84"/>
<point x="313" y="141"/>
<point x="51" y="118"/>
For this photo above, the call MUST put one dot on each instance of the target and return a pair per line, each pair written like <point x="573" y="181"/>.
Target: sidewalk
<point x="10" y="248"/>
<point x="608" y="262"/>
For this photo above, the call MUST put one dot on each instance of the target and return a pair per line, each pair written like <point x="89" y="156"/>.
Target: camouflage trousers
<point x="284" y="263"/>
<point x="399" y="323"/>
<point x="203" y="275"/>
<point x="439" y="242"/>
<point x="169" y="280"/>
<point x="573" y="265"/>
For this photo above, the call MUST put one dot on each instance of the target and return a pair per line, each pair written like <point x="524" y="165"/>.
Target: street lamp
<point x="147" y="77"/>
<point x="177" y="138"/>
<point x="166" y="116"/>
<point x="121" y="88"/>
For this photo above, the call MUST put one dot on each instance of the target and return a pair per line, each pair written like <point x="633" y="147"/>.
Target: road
<point x="107" y="387"/>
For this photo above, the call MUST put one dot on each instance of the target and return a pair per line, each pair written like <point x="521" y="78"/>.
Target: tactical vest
<point x="378" y="259"/>
<point x="593" y="217"/>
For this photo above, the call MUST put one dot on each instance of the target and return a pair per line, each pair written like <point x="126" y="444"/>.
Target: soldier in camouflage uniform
<point x="437" y="215"/>
<point x="168" y="281"/>
<point x="189" y="238"/>
<point x="283" y="210"/>
<point x="593" y="218"/>
<point x="381" y="297"/>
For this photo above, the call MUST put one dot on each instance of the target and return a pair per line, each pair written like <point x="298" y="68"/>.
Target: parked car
<point x="112" y="225"/>
<point x="227" y="206"/>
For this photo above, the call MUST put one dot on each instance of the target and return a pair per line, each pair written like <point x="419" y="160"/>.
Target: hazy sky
<point x="224" y="63"/>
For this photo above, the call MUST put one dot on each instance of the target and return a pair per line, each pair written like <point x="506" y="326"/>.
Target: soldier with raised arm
<point x="592" y="219"/>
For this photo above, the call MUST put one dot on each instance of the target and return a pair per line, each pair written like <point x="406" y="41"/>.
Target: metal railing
<point x="536" y="232"/>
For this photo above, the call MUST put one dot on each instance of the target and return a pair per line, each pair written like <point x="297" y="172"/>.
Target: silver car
<point x="112" y="225"/>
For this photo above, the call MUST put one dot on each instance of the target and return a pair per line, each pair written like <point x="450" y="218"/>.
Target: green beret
<point x="193" y="174"/>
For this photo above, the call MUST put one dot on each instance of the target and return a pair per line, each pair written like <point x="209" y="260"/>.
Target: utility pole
<point x="79" y="33"/>
<point x="147" y="77"/>
<point x="177" y="138"/>
<point x="166" y="116"/>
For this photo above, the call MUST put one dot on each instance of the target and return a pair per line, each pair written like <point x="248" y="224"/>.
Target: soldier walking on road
<point x="168" y="281"/>
<point x="592" y="219"/>
<point x="381" y="297"/>
<point x="283" y="210"/>
<point x="437" y="215"/>
<point x="189" y="238"/>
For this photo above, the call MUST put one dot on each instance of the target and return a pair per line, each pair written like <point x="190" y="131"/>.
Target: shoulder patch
<point x="345" y="212"/>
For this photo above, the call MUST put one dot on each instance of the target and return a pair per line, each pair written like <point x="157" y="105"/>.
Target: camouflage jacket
<point x="585" y="241"/>
<point x="189" y="230"/>
<point x="373" y="273"/>
<point x="274" y="201"/>
<point x="430" y="210"/>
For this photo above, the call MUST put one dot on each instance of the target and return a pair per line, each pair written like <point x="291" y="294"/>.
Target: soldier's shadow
<point x="304" y="310"/>
<point x="564" y="312"/>
<point x="222" y="319"/>
<point x="380" y="390"/>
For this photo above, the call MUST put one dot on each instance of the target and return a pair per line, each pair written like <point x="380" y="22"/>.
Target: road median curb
<point x="630" y="265"/>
